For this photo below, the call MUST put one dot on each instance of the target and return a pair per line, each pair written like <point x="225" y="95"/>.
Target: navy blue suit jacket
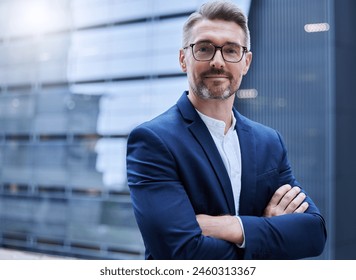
<point x="175" y="172"/>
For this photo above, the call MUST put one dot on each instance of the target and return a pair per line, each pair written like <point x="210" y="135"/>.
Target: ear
<point x="182" y="62"/>
<point x="248" y="60"/>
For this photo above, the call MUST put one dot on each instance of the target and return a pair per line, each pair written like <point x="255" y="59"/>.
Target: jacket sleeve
<point x="162" y="208"/>
<point x="291" y="236"/>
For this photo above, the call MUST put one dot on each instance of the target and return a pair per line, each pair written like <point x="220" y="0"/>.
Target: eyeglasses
<point x="205" y="51"/>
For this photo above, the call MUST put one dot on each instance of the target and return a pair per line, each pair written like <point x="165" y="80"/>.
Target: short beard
<point x="201" y="90"/>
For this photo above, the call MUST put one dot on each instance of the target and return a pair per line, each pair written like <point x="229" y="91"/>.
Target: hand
<point x="222" y="227"/>
<point x="286" y="200"/>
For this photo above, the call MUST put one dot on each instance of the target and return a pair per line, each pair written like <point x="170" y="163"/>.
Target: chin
<point x="226" y="94"/>
<point x="213" y="93"/>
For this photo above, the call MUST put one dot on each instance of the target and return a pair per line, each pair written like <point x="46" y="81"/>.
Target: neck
<point x="214" y="108"/>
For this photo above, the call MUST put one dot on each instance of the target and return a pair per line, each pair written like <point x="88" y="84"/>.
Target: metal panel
<point x="291" y="71"/>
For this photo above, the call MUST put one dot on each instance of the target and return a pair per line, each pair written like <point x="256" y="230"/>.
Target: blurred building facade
<point x="77" y="75"/>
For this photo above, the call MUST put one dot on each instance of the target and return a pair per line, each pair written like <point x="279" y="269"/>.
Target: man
<point x="206" y="182"/>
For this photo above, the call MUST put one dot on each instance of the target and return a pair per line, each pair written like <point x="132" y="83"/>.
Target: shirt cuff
<point x="243" y="233"/>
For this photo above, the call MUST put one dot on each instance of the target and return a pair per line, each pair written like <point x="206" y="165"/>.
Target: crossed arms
<point x="286" y="200"/>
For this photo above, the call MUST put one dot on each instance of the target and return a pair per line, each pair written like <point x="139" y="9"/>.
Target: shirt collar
<point x="217" y="127"/>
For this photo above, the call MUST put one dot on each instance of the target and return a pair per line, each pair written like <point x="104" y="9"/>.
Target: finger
<point x="288" y="197"/>
<point x="278" y="195"/>
<point x="295" y="203"/>
<point x="302" y="208"/>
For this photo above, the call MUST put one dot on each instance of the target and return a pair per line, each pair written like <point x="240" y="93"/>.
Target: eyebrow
<point x="211" y="42"/>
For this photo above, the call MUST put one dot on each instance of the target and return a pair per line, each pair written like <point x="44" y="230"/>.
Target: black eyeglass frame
<point x="244" y="50"/>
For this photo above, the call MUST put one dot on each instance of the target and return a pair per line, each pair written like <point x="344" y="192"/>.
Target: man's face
<point x="215" y="79"/>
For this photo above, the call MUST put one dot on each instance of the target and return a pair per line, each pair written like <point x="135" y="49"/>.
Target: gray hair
<point x="222" y="10"/>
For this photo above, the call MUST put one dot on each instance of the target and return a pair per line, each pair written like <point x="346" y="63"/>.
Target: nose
<point x="217" y="61"/>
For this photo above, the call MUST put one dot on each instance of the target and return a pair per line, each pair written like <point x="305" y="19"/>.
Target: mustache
<point x="214" y="71"/>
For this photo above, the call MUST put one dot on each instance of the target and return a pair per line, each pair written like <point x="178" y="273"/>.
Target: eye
<point x="203" y="48"/>
<point x="231" y="50"/>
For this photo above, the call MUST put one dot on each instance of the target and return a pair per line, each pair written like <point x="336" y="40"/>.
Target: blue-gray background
<point x="77" y="75"/>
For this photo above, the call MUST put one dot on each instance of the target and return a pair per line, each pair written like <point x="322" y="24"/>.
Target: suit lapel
<point x="202" y="135"/>
<point x="249" y="168"/>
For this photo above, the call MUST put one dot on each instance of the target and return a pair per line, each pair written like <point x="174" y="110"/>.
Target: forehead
<point x="217" y="31"/>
